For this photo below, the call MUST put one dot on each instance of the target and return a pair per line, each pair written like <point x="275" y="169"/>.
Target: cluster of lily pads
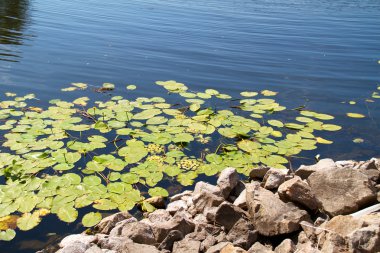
<point x="102" y="154"/>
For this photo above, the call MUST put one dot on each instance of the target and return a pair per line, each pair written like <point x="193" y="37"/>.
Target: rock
<point x="178" y="205"/>
<point x="108" y="223"/>
<point x="183" y="195"/>
<point x="139" y="232"/>
<point x="94" y="249"/>
<point x="116" y="231"/>
<point x="207" y="243"/>
<point x="238" y="189"/>
<point x="202" y="187"/>
<point x="367" y="165"/>
<point x="270" y="215"/>
<point x="199" y="219"/>
<point x="206" y="199"/>
<point x="218" y="247"/>
<point x="259" y="248"/>
<point x="242" y="234"/>
<point x="76" y="247"/>
<point x="172" y="237"/>
<point x="232" y="249"/>
<point x="227" y="180"/>
<point x="258" y="172"/>
<point x="210" y="213"/>
<point x="159" y="215"/>
<point x="366" y="239"/>
<point x="373" y="175"/>
<point x="178" y="222"/>
<point x="227" y="215"/>
<point x="80" y="238"/>
<point x="186" y="246"/>
<point x="305" y="171"/>
<point x="241" y="201"/>
<point x="131" y="247"/>
<point x="287" y="246"/>
<point x="349" y="164"/>
<point x="298" y="191"/>
<point x="341" y="191"/>
<point x="111" y="242"/>
<point x="274" y="177"/>
<point x="157" y="201"/>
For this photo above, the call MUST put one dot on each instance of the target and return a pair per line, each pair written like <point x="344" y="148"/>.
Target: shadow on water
<point x="14" y="18"/>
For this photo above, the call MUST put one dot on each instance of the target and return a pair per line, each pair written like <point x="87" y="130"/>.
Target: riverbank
<point x="326" y="207"/>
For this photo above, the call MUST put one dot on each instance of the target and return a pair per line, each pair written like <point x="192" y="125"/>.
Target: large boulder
<point x="241" y="200"/>
<point x="175" y="206"/>
<point x="227" y="215"/>
<point x="80" y="238"/>
<point x="258" y="172"/>
<point x="242" y="234"/>
<point x="270" y="215"/>
<point x="108" y="223"/>
<point x="202" y="187"/>
<point x="299" y="192"/>
<point x="139" y="232"/>
<point x="186" y="246"/>
<point x="132" y="247"/>
<point x="259" y="248"/>
<point x="204" y="200"/>
<point x="341" y="191"/>
<point x="324" y="164"/>
<point x="227" y="181"/>
<point x="286" y="246"/>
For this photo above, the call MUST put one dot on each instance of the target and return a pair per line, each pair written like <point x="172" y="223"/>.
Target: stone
<point x="232" y="249"/>
<point x="341" y="191"/>
<point x="139" y="232"/>
<point x="178" y="222"/>
<point x="183" y="195"/>
<point x="227" y="215"/>
<point x="131" y="247"/>
<point x="172" y="237"/>
<point x="270" y="215"/>
<point x="305" y="171"/>
<point x="238" y="189"/>
<point x="157" y="201"/>
<point x="199" y="219"/>
<point x="108" y="223"/>
<point x="186" y="246"/>
<point x="258" y="172"/>
<point x="94" y="249"/>
<point x="274" y="178"/>
<point x="76" y="247"/>
<point x="259" y="248"/>
<point x="178" y="205"/>
<point x="242" y="234"/>
<point x="210" y="213"/>
<point x="207" y="243"/>
<point x="297" y="191"/>
<point x="202" y="187"/>
<point x="373" y="175"/>
<point x="287" y="246"/>
<point x="111" y="242"/>
<point x="80" y="238"/>
<point x="218" y="247"/>
<point x="241" y="201"/>
<point x="227" y="180"/>
<point x="367" y="165"/>
<point x="347" y="164"/>
<point x="366" y="239"/>
<point x="116" y="231"/>
<point x="206" y="199"/>
<point x="159" y="215"/>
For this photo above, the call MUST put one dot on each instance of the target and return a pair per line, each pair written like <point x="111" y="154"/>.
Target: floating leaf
<point x="67" y="214"/>
<point x="355" y="115"/>
<point x="7" y="235"/>
<point x="158" y="191"/>
<point x="91" y="219"/>
<point x="131" y="87"/>
<point x="28" y="221"/>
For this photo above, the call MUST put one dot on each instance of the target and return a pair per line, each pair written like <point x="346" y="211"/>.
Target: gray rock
<point x="241" y="201"/>
<point x="159" y="215"/>
<point x="111" y="242"/>
<point x="227" y="180"/>
<point x="305" y="171"/>
<point x="139" y="232"/>
<point x="287" y="246"/>
<point x="131" y="247"/>
<point x="199" y="219"/>
<point x="342" y="191"/>
<point x="372" y="174"/>
<point x="348" y="164"/>
<point x="157" y="201"/>
<point x="94" y="249"/>
<point x="367" y="165"/>
<point x="202" y="187"/>
<point x="75" y="247"/>
<point x="270" y="215"/>
<point x="183" y="195"/>
<point x="242" y="234"/>
<point x="179" y="222"/>
<point x="298" y="191"/>
<point x="210" y="213"/>
<point x="178" y="205"/>
<point x="172" y="237"/>
<point x="108" y="223"/>
<point x="366" y="239"/>
<point x="206" y="199"/>
<point x="116" y="231"/>
<point x="81" y="238"/>
<point x="186" y="246"/>
<point x="274" y="178"/>
<point x="232" y="249"/>
<point x="227" y="215"/>
<point x="218" y="247"/>
<point x="207" y="243"/>
<point x="258" y="172"/>
<point x="259" y="248"/>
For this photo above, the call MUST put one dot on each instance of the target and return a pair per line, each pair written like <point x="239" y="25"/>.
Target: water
<point x="325" y="51"/>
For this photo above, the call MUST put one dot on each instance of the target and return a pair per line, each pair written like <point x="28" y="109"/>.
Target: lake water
<point x="323" y="51"/>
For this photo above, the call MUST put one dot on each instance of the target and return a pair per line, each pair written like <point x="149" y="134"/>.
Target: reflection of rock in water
<point x="13" y="19"/>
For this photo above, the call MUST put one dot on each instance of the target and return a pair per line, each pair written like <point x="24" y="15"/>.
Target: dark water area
<point x="317" y="52"/>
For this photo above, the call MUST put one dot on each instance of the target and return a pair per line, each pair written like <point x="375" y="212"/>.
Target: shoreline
<point x="326" y="207"/>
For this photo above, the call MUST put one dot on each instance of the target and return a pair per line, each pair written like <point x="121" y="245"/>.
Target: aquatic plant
<point x="75" y="154"/>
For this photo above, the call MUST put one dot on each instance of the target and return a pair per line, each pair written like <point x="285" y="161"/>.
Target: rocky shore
<point x="326" y="207"/>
